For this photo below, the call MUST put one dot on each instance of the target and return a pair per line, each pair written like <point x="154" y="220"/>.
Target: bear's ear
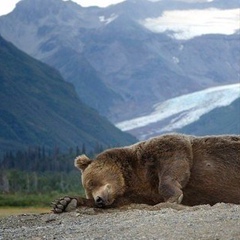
<point x="81" y="162"/>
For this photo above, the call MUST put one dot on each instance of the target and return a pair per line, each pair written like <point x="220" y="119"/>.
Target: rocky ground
<point x="221" y="221"/>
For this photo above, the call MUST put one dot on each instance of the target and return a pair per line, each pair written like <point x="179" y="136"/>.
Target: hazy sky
<point x="7" y="6"/>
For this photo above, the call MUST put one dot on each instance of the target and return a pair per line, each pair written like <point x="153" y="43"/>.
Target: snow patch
<point x="175" y="60"/>
<point x="186" y="108"/>
<point x="108" y="20"/>
<point x="186" y="24"/>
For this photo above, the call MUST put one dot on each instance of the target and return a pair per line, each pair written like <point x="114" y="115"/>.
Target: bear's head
<point x="102" y="179"/>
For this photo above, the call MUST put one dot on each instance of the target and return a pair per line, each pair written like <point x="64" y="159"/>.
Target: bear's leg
<point x="172" y="179"/>
<point x="170" y="189"/>
<point x="68" y="204"/>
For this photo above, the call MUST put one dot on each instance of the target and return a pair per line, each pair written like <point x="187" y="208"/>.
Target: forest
<point x="36" y="176"/>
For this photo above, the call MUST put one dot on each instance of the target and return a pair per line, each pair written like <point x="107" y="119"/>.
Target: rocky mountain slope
<point x="120" y="65"/>
<point x="37" y="107"/>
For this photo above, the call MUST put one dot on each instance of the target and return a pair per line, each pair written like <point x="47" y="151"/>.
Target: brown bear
<point x="169" y="168"/>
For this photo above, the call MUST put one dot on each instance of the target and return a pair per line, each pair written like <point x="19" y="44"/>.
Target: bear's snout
<point x="99" y="202"/>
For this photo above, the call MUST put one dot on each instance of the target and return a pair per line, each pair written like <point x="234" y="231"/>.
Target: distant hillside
<point x="37" y="107"/>
<point x="222" y="120"/>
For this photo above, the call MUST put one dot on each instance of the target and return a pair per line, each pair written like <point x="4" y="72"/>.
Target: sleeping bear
<point x="169" y="168"/>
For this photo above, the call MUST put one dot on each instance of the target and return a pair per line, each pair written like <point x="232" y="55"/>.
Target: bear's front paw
<point x="65" y="204"/>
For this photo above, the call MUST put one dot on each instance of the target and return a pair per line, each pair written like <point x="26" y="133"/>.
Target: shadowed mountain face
<point x="224" y="120"/>
<point x="38" y="107"/>
<point x="117" y="65"/>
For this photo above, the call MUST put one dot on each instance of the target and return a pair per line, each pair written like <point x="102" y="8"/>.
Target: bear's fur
<point x="169" y="168"/>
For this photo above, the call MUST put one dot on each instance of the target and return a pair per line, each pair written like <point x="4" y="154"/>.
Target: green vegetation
<point x="16" y="181"/>
<point x="35" y="178"/>
<point x="30" y="200"/>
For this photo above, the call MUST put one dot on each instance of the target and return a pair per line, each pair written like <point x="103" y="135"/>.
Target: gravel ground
<point x="221" y="221"/>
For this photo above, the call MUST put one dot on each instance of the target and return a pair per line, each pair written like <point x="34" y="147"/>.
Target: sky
<point x="7" y="6"/>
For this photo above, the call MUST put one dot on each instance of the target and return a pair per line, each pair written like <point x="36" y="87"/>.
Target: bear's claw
<point x="175" y="199"/>
<point x="65" y="204"/>
<point x="180" y="199"/>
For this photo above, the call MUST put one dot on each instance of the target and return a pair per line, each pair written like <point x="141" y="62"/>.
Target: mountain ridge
<point x="39" y="108"/>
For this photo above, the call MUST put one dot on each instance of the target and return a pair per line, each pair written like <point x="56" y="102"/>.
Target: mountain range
<point x="39" y="108"/>
<point x="127" y="59"/>
<point x="119" y="63"/>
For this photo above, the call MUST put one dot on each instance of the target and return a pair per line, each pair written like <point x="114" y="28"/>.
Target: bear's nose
<point x="99" y="202"/>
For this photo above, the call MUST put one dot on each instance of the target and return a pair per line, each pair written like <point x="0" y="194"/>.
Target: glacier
<point x="183" y="110"/>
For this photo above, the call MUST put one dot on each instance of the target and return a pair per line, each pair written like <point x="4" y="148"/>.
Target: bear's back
<point x="215" y="172"/>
